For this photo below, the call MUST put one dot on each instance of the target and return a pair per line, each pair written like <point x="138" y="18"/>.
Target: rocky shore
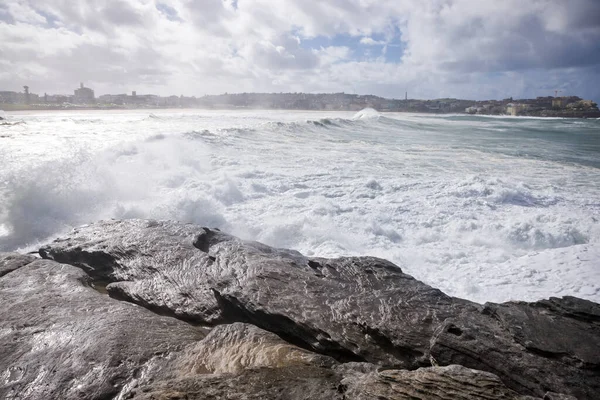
<point x="141" y="309"/>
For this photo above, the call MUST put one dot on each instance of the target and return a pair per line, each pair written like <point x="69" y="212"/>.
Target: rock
<point x="306" y="382"/>
<point x="236" y="347"/>
<point x="299" y="382"/>
<point x="551" y="345"/>
<point x="353" y="309"/>
<point x="360" y="309"/>
<point x="451" y="382"/>
<point x="61" y="339"/>
<point x="558" y="396"/>
<point x="242" y="361"/>
<point x="152" y="263"/>
<point x="533" y="325"/>
<point x="12" y="261"/>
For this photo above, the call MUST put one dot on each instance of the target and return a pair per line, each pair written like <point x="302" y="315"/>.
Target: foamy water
<point x="490" y="209"/>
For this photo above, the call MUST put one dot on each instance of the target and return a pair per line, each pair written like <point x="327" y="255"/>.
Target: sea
<point x="484" y="208"/>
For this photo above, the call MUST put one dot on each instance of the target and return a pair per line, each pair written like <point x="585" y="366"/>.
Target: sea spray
<point x="484" y="208"/>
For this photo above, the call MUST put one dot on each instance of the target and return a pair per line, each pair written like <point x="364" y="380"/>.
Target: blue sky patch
<point x="168" y="12"/>
<point x="363" y="48"/>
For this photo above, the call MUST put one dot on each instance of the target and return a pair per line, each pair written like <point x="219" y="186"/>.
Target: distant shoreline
<point x="22" y="107"/>
<point x="549" y="106"/>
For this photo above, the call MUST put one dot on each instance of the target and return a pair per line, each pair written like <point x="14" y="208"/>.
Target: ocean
<point x="484" y="208"/>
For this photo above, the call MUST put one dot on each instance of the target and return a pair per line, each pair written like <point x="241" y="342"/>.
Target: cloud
<point x="433" y="48"/>
<point x="367" y="41"/>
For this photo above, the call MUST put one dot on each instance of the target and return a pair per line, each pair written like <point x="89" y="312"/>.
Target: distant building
<point x="58" y="98"/>
<point x="473" y="110"/>
<point x="27" y="98"/>
<point x="118" y="99"/>
<point x="9" y="97"/>
<point x="84" y="95"/>
<point x="515" y="109"/>
<point x="558" y="102"/>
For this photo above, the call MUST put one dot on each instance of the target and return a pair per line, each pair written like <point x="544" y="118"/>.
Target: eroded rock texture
<point x="242" y="361"/>
<point x="61" y="339"/>
<point x="443" y="383"/>
<point x="12" y="261"/>
<point x="353" y="309"/>
<point x="236" y="347"/>
<point x="337" y="328"/>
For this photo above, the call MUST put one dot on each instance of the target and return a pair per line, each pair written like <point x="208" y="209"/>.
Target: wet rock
<point x="558" y="396"/>
<point x="451" y="382"/>
<point x="12" y="261"/>
<point x="306" y="382"/>
<point x="243" y="361"/>
<point x="350" y="381"/>
<point x="154" y="264"/>
<point x="551" y="345"/>
<point x="353" y="309"/>
<point x="360" y="309"/>
<point x="61" y="339"/>
<point x="236" y="347"/>
<point x="298" y="382"/>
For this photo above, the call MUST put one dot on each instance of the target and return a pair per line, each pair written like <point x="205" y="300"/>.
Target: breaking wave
<point x="450" y="200"/>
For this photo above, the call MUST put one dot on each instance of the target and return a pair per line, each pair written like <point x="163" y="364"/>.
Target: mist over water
<point x="486" y="208"/>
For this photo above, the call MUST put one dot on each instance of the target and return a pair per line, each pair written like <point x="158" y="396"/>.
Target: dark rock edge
<point x="195" y="277"/>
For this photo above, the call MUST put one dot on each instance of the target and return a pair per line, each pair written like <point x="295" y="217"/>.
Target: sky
<point x="471" y="49"/>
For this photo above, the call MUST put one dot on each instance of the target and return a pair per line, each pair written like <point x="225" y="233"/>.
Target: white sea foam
<point x="490" y="209"/>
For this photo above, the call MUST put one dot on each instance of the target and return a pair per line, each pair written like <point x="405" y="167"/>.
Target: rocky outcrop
<point x="550" y="345"/>
<point x="243" y="361"/>
<point x="154" y="264"/>
<point x="288" y="326"/>
<point x="448" y="383"/>
<point x="12" y="261"/>
<point x="353" y="309"/>
<point x="61" y="339"/>
<point x="237" y="347"/>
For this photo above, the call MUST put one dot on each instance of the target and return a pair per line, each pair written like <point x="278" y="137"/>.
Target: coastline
<point x="12" y="108"/>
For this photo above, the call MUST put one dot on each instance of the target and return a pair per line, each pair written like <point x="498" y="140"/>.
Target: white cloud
<point x="367" y="41"/>
<point x="460" y="48"/>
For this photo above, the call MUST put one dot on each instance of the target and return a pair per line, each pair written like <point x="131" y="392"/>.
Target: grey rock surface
<point x="241" y="361"/>
<point x="353" y="309"/>
<point x="443" y="383"/>
<point x="551" y="345"/>
<point x="359" y="309"/>
<point x="287" y="383"/>
<point x="61" y="339"/>
<point x="233" y="348"/>
<point x="306" y="382"/>
<point x="154" y="264"/>
<point x="558" y="396"/>
<point x="12" y="261"/>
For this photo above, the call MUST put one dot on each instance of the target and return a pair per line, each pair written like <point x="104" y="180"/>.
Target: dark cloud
<point x="5" y="15"/>
<point x="119" y="12"/>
